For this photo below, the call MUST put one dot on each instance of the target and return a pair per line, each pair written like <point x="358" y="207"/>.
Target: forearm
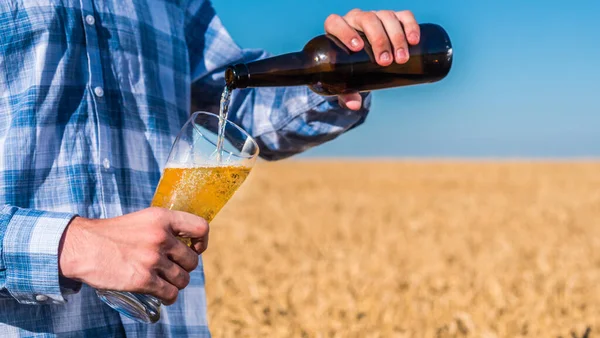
<point x="288" y="121"/>
<point x="284" y="120"/>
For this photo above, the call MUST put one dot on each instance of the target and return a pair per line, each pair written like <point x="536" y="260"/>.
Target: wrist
<point x="69" y="255"/>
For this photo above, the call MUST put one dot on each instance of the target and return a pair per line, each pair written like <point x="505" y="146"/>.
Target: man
<point x="92" y="96"/>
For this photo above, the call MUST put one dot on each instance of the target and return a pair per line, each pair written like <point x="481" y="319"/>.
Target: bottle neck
<point x="277" y="71"/>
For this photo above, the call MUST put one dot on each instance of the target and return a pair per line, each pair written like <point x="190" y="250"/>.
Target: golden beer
<point x="201" y="191"/>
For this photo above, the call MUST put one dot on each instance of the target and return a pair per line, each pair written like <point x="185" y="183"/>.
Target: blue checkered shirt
<point x="92" y="95"/>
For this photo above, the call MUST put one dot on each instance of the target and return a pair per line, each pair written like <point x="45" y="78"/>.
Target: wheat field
<point x="408" y="249"/>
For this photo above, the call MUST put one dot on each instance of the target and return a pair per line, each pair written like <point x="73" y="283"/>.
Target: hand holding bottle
<point x="388" y="32"/>
<point x="356" y="55"/>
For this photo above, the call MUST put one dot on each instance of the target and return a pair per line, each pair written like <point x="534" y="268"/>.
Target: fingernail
<point x="385" y="57"/>
<point x="355" y="42"/>
<point x="414" y="36"/>
<point x="401" y="54"/>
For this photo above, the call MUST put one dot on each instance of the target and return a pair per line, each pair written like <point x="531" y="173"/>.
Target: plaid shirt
<point x="92" y="95"/>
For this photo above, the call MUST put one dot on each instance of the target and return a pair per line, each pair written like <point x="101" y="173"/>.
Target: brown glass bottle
<point x="328" y="67"/>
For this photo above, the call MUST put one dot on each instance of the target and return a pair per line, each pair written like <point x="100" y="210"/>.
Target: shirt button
<point x="41" y="298"/>
<point x="106" y="163"/>
<point x="99" y="91"/>
<point x="90" y="20"/>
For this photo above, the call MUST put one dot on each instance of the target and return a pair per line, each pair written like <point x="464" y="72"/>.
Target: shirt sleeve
<point x="29" y="243"/>
<point x="284" y="120"/>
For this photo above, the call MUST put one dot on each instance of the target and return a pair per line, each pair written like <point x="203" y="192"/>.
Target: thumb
<point x="184" y="224"/>
<point x="352" y="101"/>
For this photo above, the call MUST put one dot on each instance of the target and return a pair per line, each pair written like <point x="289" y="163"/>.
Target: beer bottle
<point x="328" y="67"/>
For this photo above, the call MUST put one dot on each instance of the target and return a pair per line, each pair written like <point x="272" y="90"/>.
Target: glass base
<point x="143" y="308"/>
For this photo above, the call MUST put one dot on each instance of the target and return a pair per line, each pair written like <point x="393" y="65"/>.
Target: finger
<point x="396" y="34"/>
<point x="338" y="27"/>
<point x="351" y="101"/>
<point x="184" y="224"/>
<point x="369" y="23"/>
<point x="173" y="274"/>
<point x="200" y="244"/>
<point x="182" y="255"/>
<point x="411" y="27"/>
<point x="162" y="290"/>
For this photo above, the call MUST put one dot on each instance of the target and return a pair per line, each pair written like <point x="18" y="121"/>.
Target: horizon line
<point x="441" y="159"/>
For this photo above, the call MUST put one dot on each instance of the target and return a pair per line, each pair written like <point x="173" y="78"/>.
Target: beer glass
<point x="196" y="179"/>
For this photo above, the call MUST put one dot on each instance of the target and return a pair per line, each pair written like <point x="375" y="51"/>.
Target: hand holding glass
<point x="197" y="181"/>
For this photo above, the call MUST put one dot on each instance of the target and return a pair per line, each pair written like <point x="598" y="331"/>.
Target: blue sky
<point x="525" y="80"/>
